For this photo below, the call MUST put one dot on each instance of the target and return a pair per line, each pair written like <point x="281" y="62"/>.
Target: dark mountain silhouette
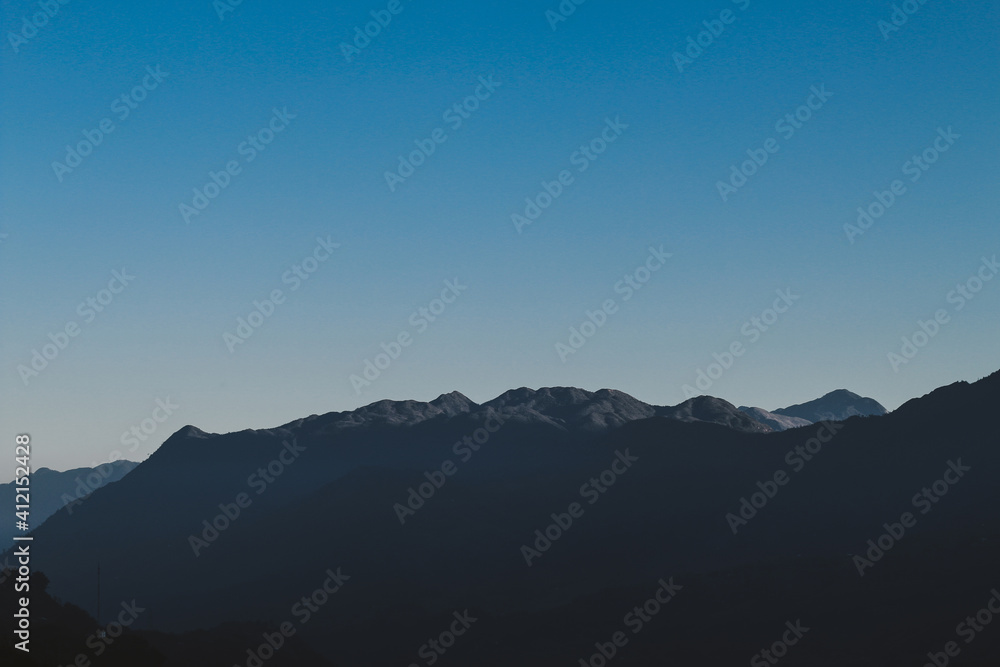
<point x="459" y="542"/>
<point x="837" y="405"/>
<point x="60" y="632"/>
<point x="64" y="634"/>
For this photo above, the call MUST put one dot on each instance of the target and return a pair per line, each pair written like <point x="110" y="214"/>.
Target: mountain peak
<point x="453" y="403"/>
<point x="401" y="413"/>
<point x="840" y="394"/>
<point x="543" y="395"/>
<point x="571" y="407"/>
<point x="190" y="431"/>
<point x="712" y="409"/>
<point x="836" y="405"/>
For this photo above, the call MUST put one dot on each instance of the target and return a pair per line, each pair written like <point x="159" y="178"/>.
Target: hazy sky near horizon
<point x="641" y="139"/>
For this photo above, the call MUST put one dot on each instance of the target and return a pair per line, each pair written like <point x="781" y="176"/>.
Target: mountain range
<point x="550" y="516"/>
<point x="572" y="409"/>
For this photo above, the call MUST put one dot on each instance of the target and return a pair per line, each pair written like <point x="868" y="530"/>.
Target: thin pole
<point x="98" y="593"/>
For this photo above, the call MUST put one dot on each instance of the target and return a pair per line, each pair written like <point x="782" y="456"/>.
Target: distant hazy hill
<point x="835" y="406"/>
<point x="775" y="421"/>
<point x="51" y="490"/>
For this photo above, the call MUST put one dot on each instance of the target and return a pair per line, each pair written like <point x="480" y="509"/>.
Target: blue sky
<point x="323" y="176"/>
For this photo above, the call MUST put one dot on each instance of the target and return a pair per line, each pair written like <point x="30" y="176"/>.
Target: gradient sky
<point x="323" y="176"/>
